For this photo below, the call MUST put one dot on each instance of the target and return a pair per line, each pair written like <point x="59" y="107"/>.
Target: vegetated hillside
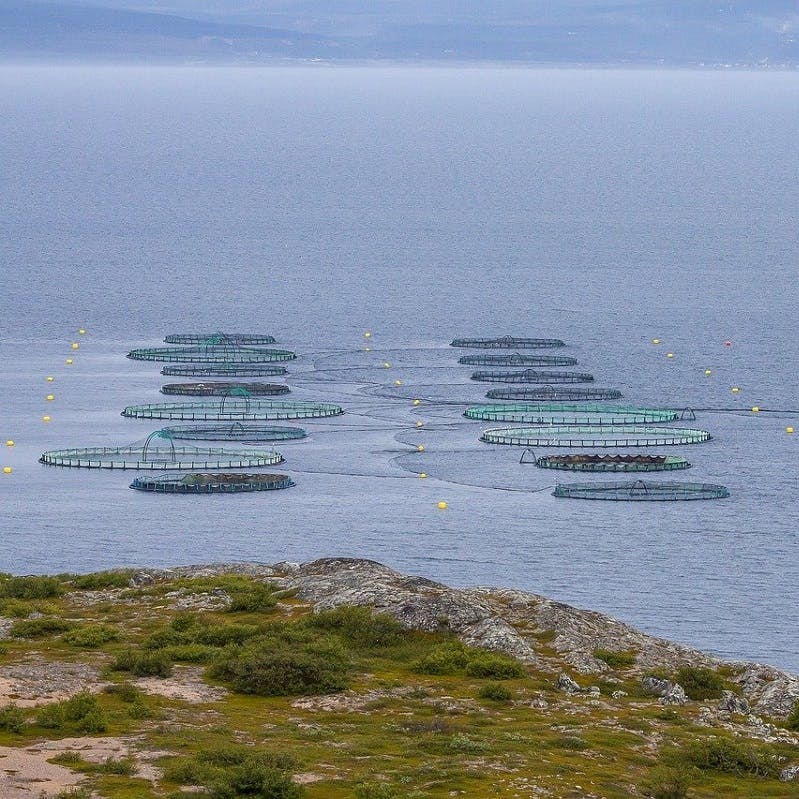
<point x="343" y="678"/>
<point x="748" y="32"/>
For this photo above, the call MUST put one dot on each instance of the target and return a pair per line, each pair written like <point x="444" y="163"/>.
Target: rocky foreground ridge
<point x="515" y="623"/>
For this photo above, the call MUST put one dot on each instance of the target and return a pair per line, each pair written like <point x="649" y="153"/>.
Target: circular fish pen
<point x="158" y="451"/>
<point x="551" y="394"/>
<point x="205" y="483"/>
<point x="239" y="409"/>
<point x="611" y="463"/>
<point x="235" y="431"/>
<point x="517" y="359"/>
<point x="225" y="389"/>
<point x="211" y="353"/>
<point x="578" y="414"/>
<point x="641" y="491"/>
<point x="507" y="343"/>
<point x="219" y="338"/>
<point x="223" y="370"/>
<point x="531" y="376"/>
<point x="593" y="436"/>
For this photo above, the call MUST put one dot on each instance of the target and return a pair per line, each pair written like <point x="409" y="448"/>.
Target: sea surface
<point x="605" y="208"/>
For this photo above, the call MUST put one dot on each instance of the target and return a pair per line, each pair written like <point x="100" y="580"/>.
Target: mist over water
<point x="603" y="208"/>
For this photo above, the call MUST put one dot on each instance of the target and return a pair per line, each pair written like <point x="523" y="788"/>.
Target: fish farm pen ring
<point x="517" y="359"/>
<point x="608" y="463"/>
<point x="236" y="409"/>
<point x="641" y="491"/>
<point x="223" y="370"/>
<point x="551" y="394"/>
<point x="204" y="483"/>
<point x="235" y="431"/>
<point x="507" y="343"/>
<point x="219" y="338"/>
<point x="563" y="414"/>
<point x="593" y="436"/>
<point x="211" y="353"/>
<point x="531" y="376"/>
<point x="225" y="389"/>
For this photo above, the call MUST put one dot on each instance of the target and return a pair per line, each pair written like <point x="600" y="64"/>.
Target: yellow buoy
<point x="735" y="389"/>
<point x="75" y="345"/>
<point x="50" y="397"/>
<point x="420" y="423"/>
<point x="10" y="443"/>
<point x="398" y="382"/>
<point x="82" y="332"/>
<point x="789" y="429"/>
<point x="417" y="402"/>
<point x="708" y="372"/>
<point x="420" y="448"/>
<point x="656" y="341"/>
<point x="7" y="470"/>
<point x="45" y="418"/>
<point x="669" y="354"/>
<point x="50" y="379"/>
<point x="69" y="361"/>
<point x="422" y="475"/>
<point x="755" y="409"/>
<point x="386" y="364"/>
<point x="367" y="334"/>
<point x="442" y="505"/>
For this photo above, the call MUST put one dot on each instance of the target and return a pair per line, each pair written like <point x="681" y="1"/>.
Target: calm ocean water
<point x="605" y="208"/>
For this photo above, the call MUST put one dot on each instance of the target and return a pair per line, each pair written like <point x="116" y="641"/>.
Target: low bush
<point x="143" y="664"/>
<point x="191" y="653"/>
<point x="667" y="783"/>
<point x="30" y="587"/>
<point x="39" y="628"/>
<point x="494" y="667"/>
<point x="615" y="659"/>
<point x="792" y="722"/>
<point x="376" y="790"/>
<point x="125" y="691"/>
<point x="700" y="683"/>
<point x="451" y="658"/>
<point x="496" y="692"/>
<point x="51" y="716"/>
<point x="255" y="598"/>
<point x="12" y="718"/>
<point x="730" y="756"/>
<point x="91" y="636"/>
<point x="96" y="581"/>
<point x="124" y="767"/>
<point x="359" y="627"/>
<point x="461" y="742"/>
<point x="443" y="659"/>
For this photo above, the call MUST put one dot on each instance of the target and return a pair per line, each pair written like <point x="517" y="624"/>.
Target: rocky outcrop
<point x="536" y="630"/>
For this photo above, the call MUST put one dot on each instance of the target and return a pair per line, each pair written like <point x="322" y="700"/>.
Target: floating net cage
<point x="517" y="359"/>
<point x="235" y="431"/>
<point x="549" y="393"/>
<point x="211" y="353"/>
<point x="219" y="338"/>
<point x="158" y="451"/>
<point x="563" y="414"/>
<point x="507" y="343"/>
<point x="238" y="409"/>
<point x="223" y="370"/>
<point x="593" y="436"/>
<point x="531" y="376"/>
<point x="607" y="463"/>
<point x="205" y="483"/>
<point x="641" y="491"/>
<point x="226" y="389"/>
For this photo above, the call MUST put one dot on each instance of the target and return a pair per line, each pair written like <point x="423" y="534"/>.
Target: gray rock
<point x="733" y="703"/>
<point x="594" y="690"/>
<point x="567" y="684"/>
<point x="655" y="685"/>
<point x="789" y="774"/>
<point x="619" y="694"/>
<point x="675" y="695"/>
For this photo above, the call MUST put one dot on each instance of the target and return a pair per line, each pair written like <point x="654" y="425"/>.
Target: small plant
<point x="256" y="598"/>
<point x="376" y="790"/>
<point x="124" y="767"/>
<point x="77" y="792"/>
<point x="143" y="664"/>
<point x="91" y="636"/>
<point x="444" y="659"/>
<point x="127" y="692"/>
<point x="139" y="709"/>
<point x="30" y="587"/>
<point x="496" y="692"/>
<point x="39" y="628"/>
<point x="700" y="683"/>
<point x="93" y="722"/>
<point x="460" y="742"/>
<point x="495" y="667"/>
<point x="667" y="783"/>
<point x="68" y="758"/>
<point x="12" y="718"/>
<point x="615" y="659"/>
<point x="51" y="716"/>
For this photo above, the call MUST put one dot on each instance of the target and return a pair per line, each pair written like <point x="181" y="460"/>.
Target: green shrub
<point x="79" y="705"/>
<point x="358" y="626"/>
<point x="461" y="742"/>
<point x="792" y="722"/>
<point x="700" y="683"/>
<point x="266" y="670"/>
<point x="495" y="667"/>
<point x="78" y="792"/>
<point x="143" y="664"/>
<point x="256" y="598"/>
<point x="220" y="635"/>
<point x="444" y="659"/>
<point x="30" y="587"/>
<point x="39" y="628"/>
<point x="569" y="742"/>
<point x="104" y="579"/>
<point x="191" y="653"/>
<point x="12" y="718"/>
<point x="51" y="716"/>
<point x="127" y="692"/>
<point x="376" y="790"/>
<point x="615" y="659"/>
<point x="139" y="709"/>
<point x="93" y="722"/>
<point x="667" y="783"/>
<point x="496" y="692"/>
<point x="91" y="636"/>
<point x="124" y="767"/>
<point x="730" y="756"/>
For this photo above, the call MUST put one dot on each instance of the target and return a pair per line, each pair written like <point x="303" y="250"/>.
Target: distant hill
<point x="682" y="32"/>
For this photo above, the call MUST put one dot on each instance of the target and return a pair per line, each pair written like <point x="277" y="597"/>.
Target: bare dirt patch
<point x="185" y="684"/>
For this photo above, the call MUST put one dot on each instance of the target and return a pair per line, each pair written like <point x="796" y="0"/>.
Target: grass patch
<point x="615" y="659"/>
<point x="39" y="628"/>
<point x="97" y="581"/>
<point x="91" y="636"/>
<point x="143" y="664"/>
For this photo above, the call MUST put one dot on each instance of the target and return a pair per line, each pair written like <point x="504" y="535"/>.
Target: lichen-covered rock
<point x="771" y="692"/>
<point x="656" y="686"/>
<point x="567" y="684"/>
<point x="674" y="695"/>
<point x="789" y="774"/>
<point x="732" y="703"/>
